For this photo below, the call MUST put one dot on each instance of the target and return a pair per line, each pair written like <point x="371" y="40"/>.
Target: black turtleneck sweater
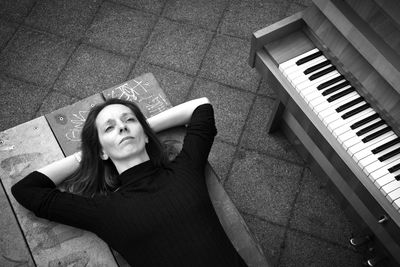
<point x="158" y="217"/>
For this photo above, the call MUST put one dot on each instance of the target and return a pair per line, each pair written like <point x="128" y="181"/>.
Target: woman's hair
<point x="96" y="176"/>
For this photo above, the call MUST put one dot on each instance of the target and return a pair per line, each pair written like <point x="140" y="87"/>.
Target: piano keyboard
<point x="350" y="118"/>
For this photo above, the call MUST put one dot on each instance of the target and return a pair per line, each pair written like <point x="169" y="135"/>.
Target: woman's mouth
<point x="126" y="138"/>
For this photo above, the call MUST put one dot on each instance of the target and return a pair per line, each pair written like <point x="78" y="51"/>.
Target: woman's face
<point x="120" y="133"/>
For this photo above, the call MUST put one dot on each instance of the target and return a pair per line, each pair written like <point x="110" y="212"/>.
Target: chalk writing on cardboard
<point x="136" y="91"/>
<point x="78" y="120"/>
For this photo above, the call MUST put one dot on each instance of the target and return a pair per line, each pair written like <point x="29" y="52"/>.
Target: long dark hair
<point x="95" y="176"/>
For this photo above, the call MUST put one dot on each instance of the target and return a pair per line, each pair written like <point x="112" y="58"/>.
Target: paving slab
<point x="91" y="70"/>
<point x="176" y="85"/>
<point x="120" y="29"/>
<point x="317" y="213"/>
<point x="204" y="13"/>
<point x="26" y="148"/>
<point x="226" y="62"/>
<point x="7" y="122"/>
<point x="152" y="6"/>
<point x="35" y="56"/>
<point x="54" y="101"/>
<point x="270" y="236"/>
<point x="263" y="186"/>
<point x="177" y="46"/>
<point x="304" y="250"/>
<point x="255" y="135"/>
<point x="267" y="87"/>
<point x="69" y="18"/>
<point x="243" y="17"/>
<point x="231" y="107"/>
<point x="7" y="30"/>
<point x="221" y="157"/>
<point x="15" y="10"/>
<point x="19" y="97"/>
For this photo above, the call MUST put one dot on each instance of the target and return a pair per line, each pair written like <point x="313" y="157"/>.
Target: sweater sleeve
<point x="199" y="137"/>
<point x="38" y="193"/>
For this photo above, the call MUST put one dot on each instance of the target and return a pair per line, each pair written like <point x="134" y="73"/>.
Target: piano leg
<point x="277" y="111"/>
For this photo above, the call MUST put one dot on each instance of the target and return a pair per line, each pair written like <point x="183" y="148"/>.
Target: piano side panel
<point x="355" y="68"/>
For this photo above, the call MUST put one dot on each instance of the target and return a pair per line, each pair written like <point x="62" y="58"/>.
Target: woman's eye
<point x="109" y="128"/>
<point x="131" y="119"/>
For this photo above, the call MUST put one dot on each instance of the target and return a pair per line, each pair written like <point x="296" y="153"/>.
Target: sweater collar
<point x="136" y="173"/>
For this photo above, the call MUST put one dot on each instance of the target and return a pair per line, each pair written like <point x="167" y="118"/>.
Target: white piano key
<point x="302" y="78"/>
<point x="382" y="167"/>
<point x="396" y="204"/>
<point x="390" y="187"/>
<point x="295" y="71"/>
<point x="329" y="114"/>
<point x="331" y="105"/>
<point x="339" y="127"/>
<point x="395" y="194"/>
<point x="381" y="181"/>
<point x="293" y="61"/>
<point x="362" y="150"/>
<point x="308" y="86"/>
<point x="350" y="142"/>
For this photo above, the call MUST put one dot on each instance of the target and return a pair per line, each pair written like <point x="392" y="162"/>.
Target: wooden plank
<point x="274" y="32"/>
<point x="26" y="148"/>
<point x="234" y="225"/>
<point x="144" y="91"/>
<point x="13" y="249"/>
<point x="67" y="123"/>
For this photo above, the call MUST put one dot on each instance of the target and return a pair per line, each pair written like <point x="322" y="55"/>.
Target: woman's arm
<point x="59" y="170"/>
<point x="175" y="116"/>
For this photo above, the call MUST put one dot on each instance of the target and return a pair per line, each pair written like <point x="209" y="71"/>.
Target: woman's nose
<point x="123" y="127"/>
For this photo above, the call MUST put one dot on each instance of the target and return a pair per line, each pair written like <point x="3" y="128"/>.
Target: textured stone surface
<point x="231" y="107"/>
<point x="304" y="250"/>
<point x="255" y="135"/>
<point x="35" y="56"/>
<point x="204" y="13"/>
<point x="226" y="62"/>
<point x="221" y="157"/>
<point x="68" y="18"/>
<point x="319" y="215"/>
<point x="120" y="29"/>
<point x="15" y="10"/>
<point x="263" y="186"/>
<point x="244" y="17"/>
<point x="177" y="46"/>
<point x="7" y="30"/>
<point x="153" y="6"/>
<point x="92" y="70"/>
<point x="176" y="85"/>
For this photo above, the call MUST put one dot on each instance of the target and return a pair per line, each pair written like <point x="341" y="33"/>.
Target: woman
<point x="153" y="212"/>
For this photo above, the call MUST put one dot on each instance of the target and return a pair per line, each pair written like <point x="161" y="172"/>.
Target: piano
<point x="335" y="68"/>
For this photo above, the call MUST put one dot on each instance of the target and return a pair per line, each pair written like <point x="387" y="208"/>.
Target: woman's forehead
<point x="111" y="112"/>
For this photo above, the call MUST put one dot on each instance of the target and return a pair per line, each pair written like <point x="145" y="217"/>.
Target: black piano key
<point x="335" y="88"/>
<point x="317" y="67"/>
<point x="350" y="104"/>
<point x="389" y="154"/>
<point x="330" y="82"/>
<point x="376" y="134"/>
<point x="370" y="128"/>
<point x="355" y="111"/>
<point x="341" y="94"/>
<point x="308" y="58"/>
<point x="364" y="121"/>
<point x="394" y="168"/>
<point x="397" y="177"/>
<point x="321" y="73"/>
<point x="385" y="146"/>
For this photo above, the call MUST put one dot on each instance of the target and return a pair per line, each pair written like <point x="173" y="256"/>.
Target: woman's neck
<point x="124" y="164"/>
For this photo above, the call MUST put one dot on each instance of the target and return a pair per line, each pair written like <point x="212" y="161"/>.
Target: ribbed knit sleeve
<point x="199" y="137"/>
<point x="38" y="193"/>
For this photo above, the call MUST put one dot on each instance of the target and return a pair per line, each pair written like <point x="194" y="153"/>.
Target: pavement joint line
<point x="151" y="32"/>
<point x="238" y="147"/>
<point x="12" y="36"/>
<point x="291" y="212"/>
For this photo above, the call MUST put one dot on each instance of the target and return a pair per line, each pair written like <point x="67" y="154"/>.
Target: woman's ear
<point x="104" y="156"/>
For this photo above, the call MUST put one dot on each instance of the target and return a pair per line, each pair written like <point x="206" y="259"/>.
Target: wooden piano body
<point x="362" y="39"/>
<point x="27" y="240"/>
